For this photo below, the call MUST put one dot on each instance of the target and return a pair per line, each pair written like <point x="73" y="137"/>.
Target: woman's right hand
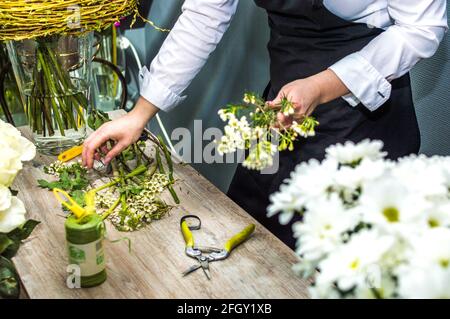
<point x="123" y="131"/>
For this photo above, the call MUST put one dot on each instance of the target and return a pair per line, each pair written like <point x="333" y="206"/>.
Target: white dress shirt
<point x="413" y="31"/>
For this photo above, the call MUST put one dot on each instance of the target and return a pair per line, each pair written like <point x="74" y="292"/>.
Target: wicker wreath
<point x="28" y="19"/>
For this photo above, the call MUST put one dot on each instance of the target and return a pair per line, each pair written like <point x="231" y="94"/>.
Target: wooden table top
<point x="259" y="268"/>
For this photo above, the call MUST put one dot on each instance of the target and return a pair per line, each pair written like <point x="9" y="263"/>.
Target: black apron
<point x="306" y="39"/>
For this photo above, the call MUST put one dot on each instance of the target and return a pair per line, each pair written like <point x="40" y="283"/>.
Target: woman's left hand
<point x="306" y="94"/>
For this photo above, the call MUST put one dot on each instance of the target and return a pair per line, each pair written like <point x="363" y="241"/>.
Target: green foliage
<point x="9" y="279"/>
<point x="71" y="178"/>
<point x="9" y="245"/>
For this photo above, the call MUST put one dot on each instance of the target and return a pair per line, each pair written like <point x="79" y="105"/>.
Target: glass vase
<point x="53" y="75"/>
<point x="106" y="89"/>
<point x="10" y="93"/>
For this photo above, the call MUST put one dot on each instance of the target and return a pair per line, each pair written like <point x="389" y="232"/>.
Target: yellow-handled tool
<point x="70" y="153"/>
<point x="67" y="201"/>
<point x="214" y="254"/>
<point x="238" y="239"/>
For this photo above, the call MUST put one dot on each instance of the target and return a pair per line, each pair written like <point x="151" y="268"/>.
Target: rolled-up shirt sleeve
<point x="194" y="37"/>
<point x="418" y="27"/>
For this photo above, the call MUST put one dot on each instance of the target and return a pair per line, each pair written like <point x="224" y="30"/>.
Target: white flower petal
<point x="13" y="217"/>
<point x="5" y="198"/>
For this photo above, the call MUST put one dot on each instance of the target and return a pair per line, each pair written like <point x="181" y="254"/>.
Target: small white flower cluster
<point x="260" y="156"/>
<point x="15" y="150"/>
<point x="57" y="167"/>
<point x="306" y="128"/>
<point x="374" y="228"/>
<point x="142" y="207"/>
<point x="255" y="132"/>
<point x="237" y="133"/>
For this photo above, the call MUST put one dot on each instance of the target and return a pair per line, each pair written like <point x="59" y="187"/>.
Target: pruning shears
<point x="211" y="253"/>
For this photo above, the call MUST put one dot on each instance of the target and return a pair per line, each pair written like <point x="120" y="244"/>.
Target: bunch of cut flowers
<point x="254" y="127"/>
<point x="374" y="228"/>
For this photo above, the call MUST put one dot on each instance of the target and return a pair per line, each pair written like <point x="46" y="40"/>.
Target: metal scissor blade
<point x="191" y="269"/>
<point x="205" y="266"/>
<point x="207" y="273"/>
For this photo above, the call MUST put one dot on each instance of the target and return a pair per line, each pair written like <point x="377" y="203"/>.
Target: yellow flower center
<point x="392" y="214"/>
<point x="433" y="223"/>
<point x="445" y="263"/>
<point x="355" y="264"/>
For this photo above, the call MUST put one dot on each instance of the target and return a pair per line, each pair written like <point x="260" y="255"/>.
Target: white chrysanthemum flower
<point x="351" y="153"/>
<point x="427" y="274"/>
<point x="310" y="181"/>
<point x="348" y="265"/>
<point x="349" y="180"/>
<point x="314" y="179"/>
<point x="5" y="198"/>
<point x="387" y="203"/>
<point x="419" y="283"/>
<point x="438" y="215"/>
<point x="12" y="217"/>
<point x="431" y="249"/>
<point x="287" y="202"/>
<point x="423" y="176"/>
<point x="379" y="285"/>
<point x="323" y="227"/>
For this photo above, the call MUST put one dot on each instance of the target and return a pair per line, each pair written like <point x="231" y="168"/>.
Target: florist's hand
<point x="124" y="131"/>
<point x="306" y="94"/>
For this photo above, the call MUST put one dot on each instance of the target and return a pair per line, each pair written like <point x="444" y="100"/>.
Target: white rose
<point x="12" y="137"/>
<point x="13" y="217"/>
<point x="5" y="198"/>
<point x="10" y="164"/>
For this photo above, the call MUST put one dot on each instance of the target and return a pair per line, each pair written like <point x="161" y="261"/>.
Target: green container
<point x="85" y="248"/>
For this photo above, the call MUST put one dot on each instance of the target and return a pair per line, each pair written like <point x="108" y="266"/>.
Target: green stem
<point x="106" y="214"/>
<point x="170" y="166"/>
<point x="52" y="88"/>
<point x="137" y="171"/>
<point x="168" y="157"/>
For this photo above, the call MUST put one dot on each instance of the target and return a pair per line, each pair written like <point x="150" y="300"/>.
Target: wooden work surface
<point x="259" y="268"/>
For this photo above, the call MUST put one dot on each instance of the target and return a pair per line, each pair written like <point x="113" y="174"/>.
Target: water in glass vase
<point x="54" y="75"/>
<point x="57" y="122"/>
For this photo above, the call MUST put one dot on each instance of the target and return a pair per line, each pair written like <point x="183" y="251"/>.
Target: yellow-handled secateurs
<point x="213" y="254"/>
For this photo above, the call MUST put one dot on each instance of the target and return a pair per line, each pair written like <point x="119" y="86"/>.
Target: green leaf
<point x="9" y="279"/>
<point x="12" y="250"/>
<point x="45" y="184"/>
<point x="24" y="231"/>
<point x="5" y="242"/>
<point x="79" y="197"/>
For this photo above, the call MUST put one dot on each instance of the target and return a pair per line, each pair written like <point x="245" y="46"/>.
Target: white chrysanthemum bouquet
<point x="14" y="149"/>
<point x="371" y="228"/>
<point x="254" y="126"/>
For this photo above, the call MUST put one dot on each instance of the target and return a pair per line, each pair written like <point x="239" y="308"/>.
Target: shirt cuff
<point x="156" y="93"/>
<point x="364" y="82"/>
